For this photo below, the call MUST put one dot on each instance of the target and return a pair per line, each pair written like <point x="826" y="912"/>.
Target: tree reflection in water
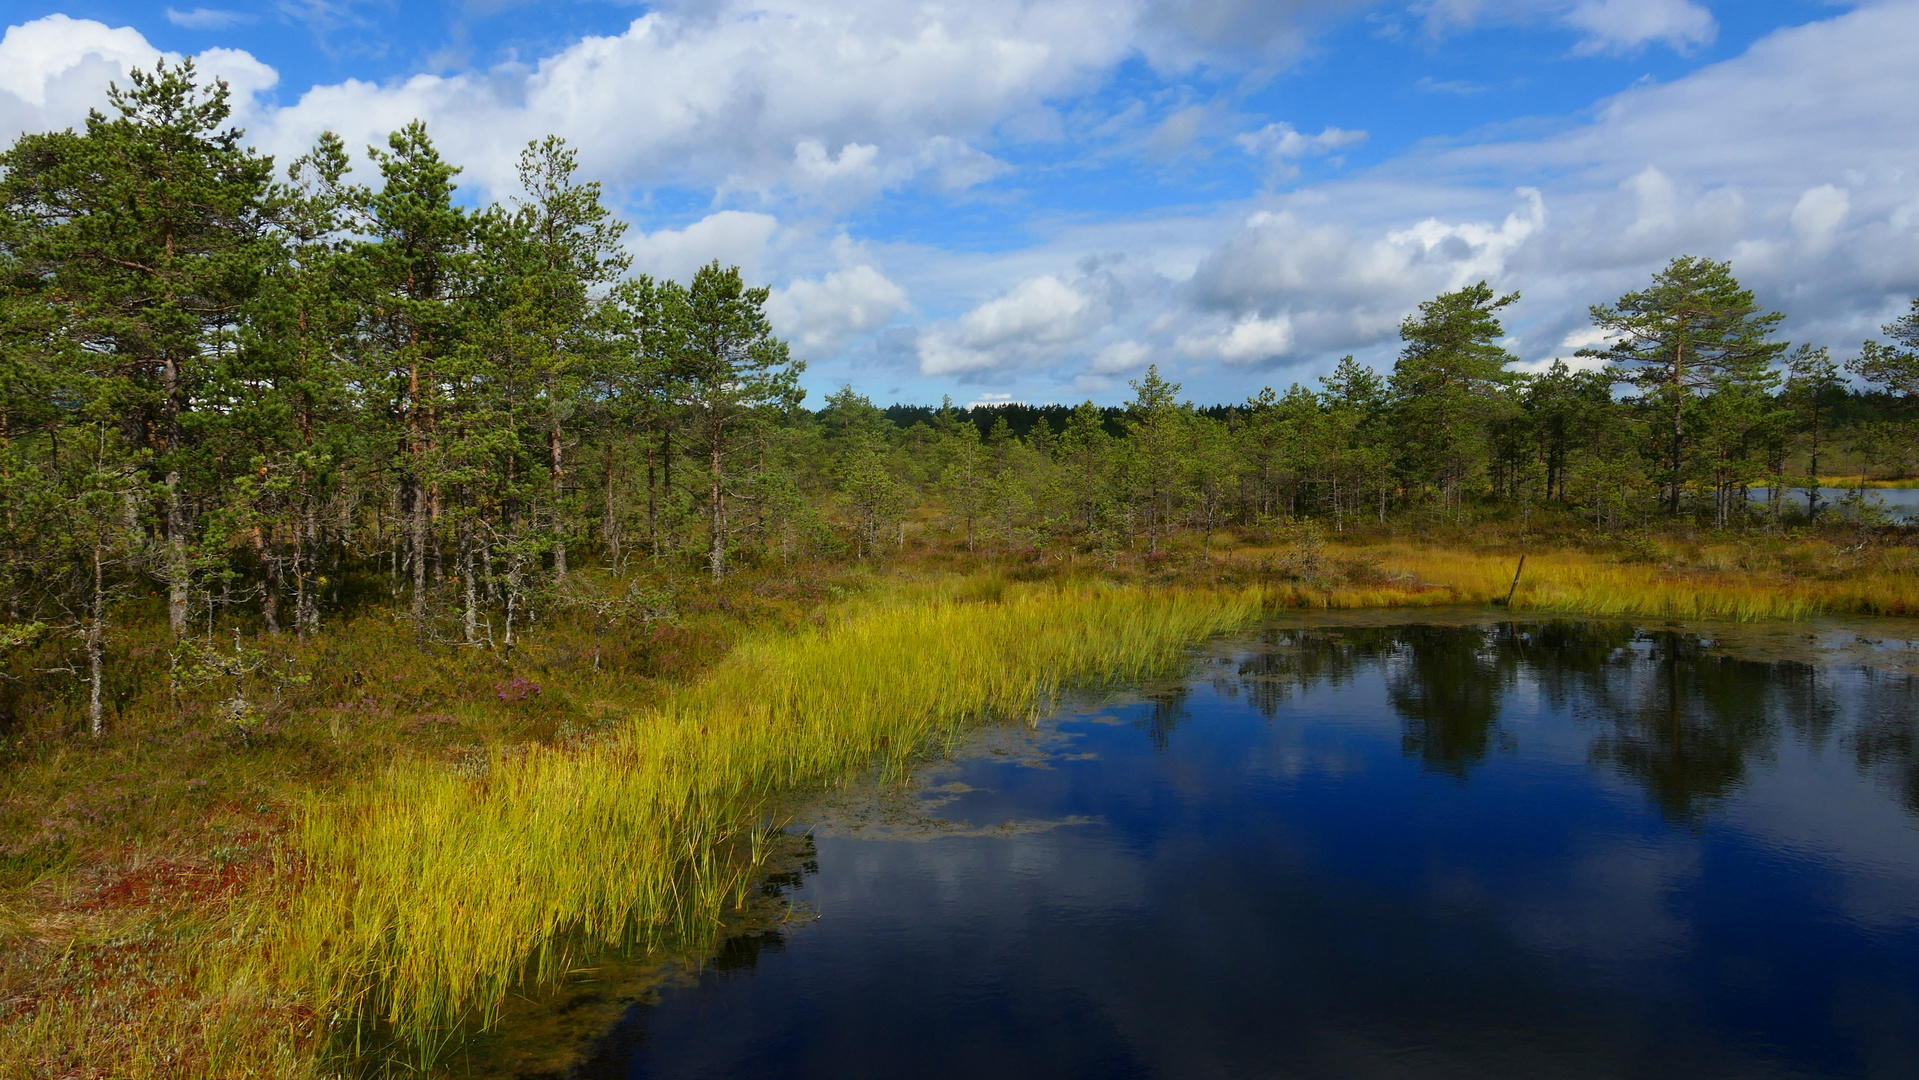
<point x="1885" y="740"/>
<point x="1684" y="722"/>
<point x="1169" y="711"/>
<point x="1447" y="684"/>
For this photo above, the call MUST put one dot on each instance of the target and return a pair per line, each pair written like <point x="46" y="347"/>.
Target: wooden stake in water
<point x="1516" y="573"/>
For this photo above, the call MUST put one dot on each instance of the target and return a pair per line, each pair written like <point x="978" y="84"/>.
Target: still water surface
<point x="1416" y="851"/>
<point x="1899" y="504"/>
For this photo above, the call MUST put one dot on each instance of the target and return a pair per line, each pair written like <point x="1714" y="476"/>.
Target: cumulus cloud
<point x="1121" y="357"/>
<point x="791" y="96"/>
<point x="1252" y="339"/>
<point x="734" y="237"/>
<point x="1795" y="160"/>
<point x="819" y="316"/>
<point x="1025" y="325"/>
<point x="1284" y="283"/>
<point x="1817" y="216"/>
<point x="54" y="69"/>
<point x="837" y="100"/>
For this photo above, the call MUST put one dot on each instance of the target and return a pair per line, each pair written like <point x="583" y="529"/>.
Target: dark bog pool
<point x="1416" y="851"/>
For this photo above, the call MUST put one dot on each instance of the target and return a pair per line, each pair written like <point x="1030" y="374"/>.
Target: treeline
<point x="258" y="390"/>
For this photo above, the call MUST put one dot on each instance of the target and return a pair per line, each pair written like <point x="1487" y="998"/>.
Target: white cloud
<point x="1586" y="337"/>
<point x="1284" y="287"/>
<point x="1236" y="34"/>
<point x="1251" y="340"/>
<point x="854" y="160"/>
<point x="52" y="70"/>
<point x="1282" y="140"/>
<point x="1040" y="309"/>
<point x="734" y="237"/>
<point x="1024" y="325"/>
<point x="820" y="316"/>
<point x="1281" y="145"/>
<point x="1817" y="216"/>
<point x="1474" y="250"/>
<point x="35" y="56"/>
<point x="1567" y="353"/>
<point x="208" y="18"/>
<point x="1121" y="357"/>
<point x="956" y="165"/>
<point x="776" y="98"/>
<point x="1624" y="25"/>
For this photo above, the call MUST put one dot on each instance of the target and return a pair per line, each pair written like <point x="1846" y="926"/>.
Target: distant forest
<point x="251" y="389"/>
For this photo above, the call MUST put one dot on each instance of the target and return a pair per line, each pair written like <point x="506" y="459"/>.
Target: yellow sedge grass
<point x="1574" y="583"/>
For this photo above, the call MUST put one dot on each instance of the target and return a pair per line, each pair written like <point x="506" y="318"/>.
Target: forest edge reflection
<point x="1668" y="708"/>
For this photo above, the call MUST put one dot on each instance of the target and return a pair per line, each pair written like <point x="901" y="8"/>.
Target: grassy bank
<point x="1870" y="484"/>
<point x="1716" y="584"/>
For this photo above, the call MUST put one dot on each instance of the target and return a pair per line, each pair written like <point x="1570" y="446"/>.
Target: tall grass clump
<point x="424" y="898"/>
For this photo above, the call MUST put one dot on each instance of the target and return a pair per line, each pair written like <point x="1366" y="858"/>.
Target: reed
<point x="426" y="896"/>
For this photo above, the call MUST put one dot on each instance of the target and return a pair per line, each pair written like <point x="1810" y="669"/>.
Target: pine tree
<point x="1447" y="382"/>
<point x="1894" y="366"/>
<point x="966" y="470"/>
<point x="568" y="254"/>
<point x="1155" y="448"/>
<point x="732" y="371"/>
<point x="1695" y="330"/>
<point x="417" y="260"/>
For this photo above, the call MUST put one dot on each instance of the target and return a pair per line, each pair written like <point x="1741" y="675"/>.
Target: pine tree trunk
<point x="178" y="579"/>
<point x="717" y="553"/>
<point x="307" y="617"/>
<point x="270" y="583"/>
<point x="96" y="643"/>
<point x="472" y="625"/>
<point x="612" y="520"/>
<point x="1678" y="419"/>
<point x="556" y="452"/>
<point x="418" y="542"/>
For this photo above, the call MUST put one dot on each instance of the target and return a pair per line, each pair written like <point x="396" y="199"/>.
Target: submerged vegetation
<point x="404" y="605"/>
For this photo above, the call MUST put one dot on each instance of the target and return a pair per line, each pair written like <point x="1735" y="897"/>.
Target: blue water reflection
<point x="1422" y="851"/>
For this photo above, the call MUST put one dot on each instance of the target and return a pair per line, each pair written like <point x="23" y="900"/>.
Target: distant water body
<point x="1901" y="504"/>
<point x="1512" y="850"/>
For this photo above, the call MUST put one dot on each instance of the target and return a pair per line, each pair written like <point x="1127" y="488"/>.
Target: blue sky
<point x="1033" y="201"/>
